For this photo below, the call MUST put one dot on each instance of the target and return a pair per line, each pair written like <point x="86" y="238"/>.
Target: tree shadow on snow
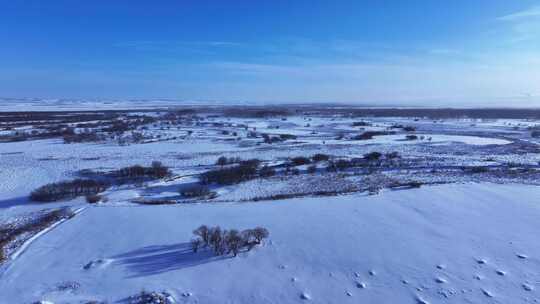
<point x="157" y="259"/>
<point x="23" y="200"/>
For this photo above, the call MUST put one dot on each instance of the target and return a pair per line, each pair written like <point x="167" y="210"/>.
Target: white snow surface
<point x="457" y="243"/>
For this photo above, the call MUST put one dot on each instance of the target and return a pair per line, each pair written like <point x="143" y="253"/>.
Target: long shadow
<point x="23" y="200"/>
<point x="157" y="259"/>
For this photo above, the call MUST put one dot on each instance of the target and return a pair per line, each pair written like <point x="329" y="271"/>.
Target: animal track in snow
<point x="305" y="296"/>
<point x="420" y="300"/>
<point x="487" y="293"/>
<point x="96" y="263"/>
<point x="481" y="261"/>
<point x="440" y="280"/>
<point x="500" y="272"/>
<point x="361" y="285"/>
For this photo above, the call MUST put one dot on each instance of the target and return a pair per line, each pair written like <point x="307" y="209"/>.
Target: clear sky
<point x="429" y="52"/>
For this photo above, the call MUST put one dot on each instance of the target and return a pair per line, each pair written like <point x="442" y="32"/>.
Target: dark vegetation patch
<point x="245" y="170"/>
<point x="93" y="198"/>
<point x="257" y="112"/>
<point x="476" y="169"/>
<point x="370" y="134"/>
<point x="270" y="139"/>
<point x="144" y="201"/>
<point x="150" y="297"/>
<point x="197" y="191"/>
<point x="371" y="159"/>
<point x="223" y="242"/>
<point x="411" y="137"/>
<point x="361" y="124"/>
<point x="223" y="160"/>
<point x="300" y="160"/>
<point x="131" y="174"/>
<point x="10" y="233"/>
<point x="282" y="196"/>
<point x="156" y="170"/>
<point x="320" y="157"/>
<point x="68" y="190"/>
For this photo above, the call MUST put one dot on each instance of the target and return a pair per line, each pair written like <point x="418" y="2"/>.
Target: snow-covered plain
<point x="466" y="236"/>
<point x="472" y="243"/>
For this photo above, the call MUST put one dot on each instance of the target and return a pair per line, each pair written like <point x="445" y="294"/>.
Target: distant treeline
<point x="450" y="113"/>
<point x="279" y="111"/>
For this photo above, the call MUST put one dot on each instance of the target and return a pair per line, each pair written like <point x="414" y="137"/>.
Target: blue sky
<point x="483" y="52"/>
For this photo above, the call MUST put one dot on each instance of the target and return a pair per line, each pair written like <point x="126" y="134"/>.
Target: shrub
<point x="361" y="124"/>
<point x="92" y="199"/>
<point x="68" y="189"/>
<point x="300" y="160"/>
<point x="87" y="136"/>
<point x="16" y="232"/>
<point x="221" y="161"/>
<point x="477" y="169"/>
<point x="392" y="155"/>
<point x="150" y="298"/>
<point x="260" y="233"/>
<point x="287" y="136"/>
<point x="227" y="176"/>
<point x="320" y="157"/>
<point x="156" y="170"/>
<point x="372" y="156"/>
<point x="267" y="171"/>
<point x="271" y="139"/>
<point x="342" y="164"/>
<point x="370" y="134"/>
<point x="159" y="170"/>
<point x="411" y="137"/>
<point x="195" y="191"/>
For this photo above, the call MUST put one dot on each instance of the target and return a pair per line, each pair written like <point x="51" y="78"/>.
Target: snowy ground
<point x="466" y="236"/>
<point x="470" y="243"/>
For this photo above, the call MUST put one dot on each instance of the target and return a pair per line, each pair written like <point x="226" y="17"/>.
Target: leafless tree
<point x="203" y="233"/>
<point x="195" y="244"/>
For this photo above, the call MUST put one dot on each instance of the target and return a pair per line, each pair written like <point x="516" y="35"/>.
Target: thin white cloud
<point x="524" y="25"/>
<point x="533" y="12"/>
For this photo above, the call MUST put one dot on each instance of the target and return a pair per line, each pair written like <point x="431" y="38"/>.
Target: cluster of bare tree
<point x="156" y="170"/>
<point x="227" y="241"/>
<point x="197" y="191"/>
<point x="68" y="189"/>
<point x="245" y="170"/>
<point x="13" y="231"/>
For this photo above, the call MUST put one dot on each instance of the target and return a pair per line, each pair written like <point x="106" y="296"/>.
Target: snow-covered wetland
<point x="313" y="204"/>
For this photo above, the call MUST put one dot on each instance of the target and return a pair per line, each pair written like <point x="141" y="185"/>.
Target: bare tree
<point x="248" y="238"/>
<point x="260" y="233"/>
<point x="195" y="244"/>
<point x="233" y="240"/>
<point x="203" y="233"/>
<point x="216" y="239"/>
